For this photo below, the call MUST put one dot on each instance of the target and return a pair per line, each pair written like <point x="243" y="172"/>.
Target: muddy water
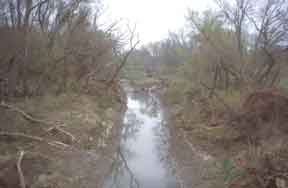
<point x="142" y="160"/>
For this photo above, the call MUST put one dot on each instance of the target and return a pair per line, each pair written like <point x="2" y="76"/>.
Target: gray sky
<point x="154" y="17"/>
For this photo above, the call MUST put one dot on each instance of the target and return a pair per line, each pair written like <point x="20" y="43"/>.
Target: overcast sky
<point x="154" y="18"/>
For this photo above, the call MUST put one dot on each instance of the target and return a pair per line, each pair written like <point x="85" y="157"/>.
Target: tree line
<point x="55" y="46"/>
<point x="240" y="44"/>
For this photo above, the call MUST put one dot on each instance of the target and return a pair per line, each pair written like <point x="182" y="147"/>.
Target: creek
<point x="143" y="155"/>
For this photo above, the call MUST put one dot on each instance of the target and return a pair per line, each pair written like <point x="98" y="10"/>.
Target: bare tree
<point x="133" y="43"/>
<point x="271" y="37"/>
<point x="236" y="16"/>
<point x="62" y="36"/>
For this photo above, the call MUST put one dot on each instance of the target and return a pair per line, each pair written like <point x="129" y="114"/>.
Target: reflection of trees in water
<point x="151" y="106"/>
<point x="162" y="146"/>
<point x="139" y="96"/>
<point x="120" y="173"/>
<point x="149" y="103"/>
<point x="131" y="126"/>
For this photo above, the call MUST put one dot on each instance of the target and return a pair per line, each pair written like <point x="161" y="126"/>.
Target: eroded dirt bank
<point x="72" y="146"/>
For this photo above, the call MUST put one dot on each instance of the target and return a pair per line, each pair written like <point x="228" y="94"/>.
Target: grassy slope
<point x="93" y="120"/>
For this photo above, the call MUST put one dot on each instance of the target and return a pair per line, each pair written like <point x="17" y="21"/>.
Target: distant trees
<point x="241" y="44"/>
<point x="165" y="55"/>
<point x="245" y="41"/>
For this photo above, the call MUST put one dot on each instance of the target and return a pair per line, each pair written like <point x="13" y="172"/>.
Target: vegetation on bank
<point x="223" y="79"/>
<point x="59" y="91"/>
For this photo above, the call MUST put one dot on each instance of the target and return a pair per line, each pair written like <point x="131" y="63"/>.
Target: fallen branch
<point x="58" y="144"/>
<point x="57" y="128"/>
<point x="35" y="138"/>
<point x="34" y="120"/>
<point x="20" y="172"/>
<point x="24" y="114"/>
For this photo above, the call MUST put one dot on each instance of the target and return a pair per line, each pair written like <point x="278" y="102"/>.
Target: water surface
<point x="142" y="160"/>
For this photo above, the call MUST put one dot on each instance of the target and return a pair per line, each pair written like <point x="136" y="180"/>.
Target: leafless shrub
<point x="54" y="46"/>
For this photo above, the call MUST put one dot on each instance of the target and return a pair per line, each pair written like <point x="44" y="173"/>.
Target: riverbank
<point x="229" y="139"/>
<point x="68" y="140"/>
<point x="244" y="135"/>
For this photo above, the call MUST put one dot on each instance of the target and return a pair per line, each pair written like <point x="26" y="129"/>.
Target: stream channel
<point x="143" y="158"/>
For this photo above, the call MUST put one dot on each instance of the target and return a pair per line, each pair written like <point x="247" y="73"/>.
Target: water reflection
<point x="142" y="158"/>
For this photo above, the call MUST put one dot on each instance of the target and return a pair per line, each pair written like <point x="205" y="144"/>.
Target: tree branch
<point x="31" y="119"/>
<point x="20" y="172"/>
<point x="34" y="138"/>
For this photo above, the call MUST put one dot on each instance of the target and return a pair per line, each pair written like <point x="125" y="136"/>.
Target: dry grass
<point x="90" y="119"/>
<point x="253" y="137"/>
